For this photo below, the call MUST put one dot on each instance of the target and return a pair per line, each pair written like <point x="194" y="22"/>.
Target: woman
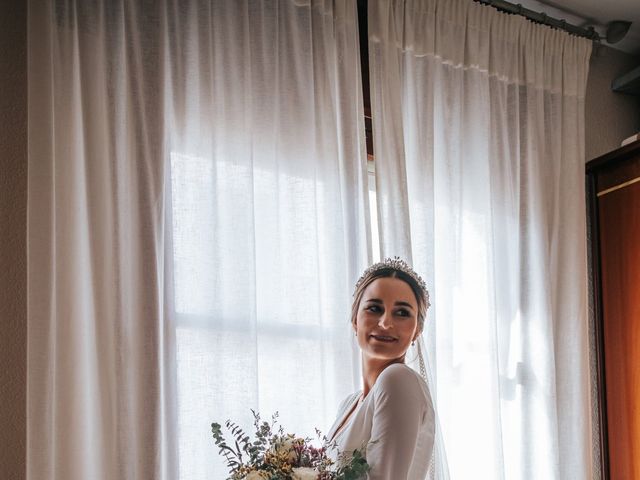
<point x="394" y="411"/>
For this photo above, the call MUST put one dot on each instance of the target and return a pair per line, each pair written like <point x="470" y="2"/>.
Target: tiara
<point x="395" y="263"/>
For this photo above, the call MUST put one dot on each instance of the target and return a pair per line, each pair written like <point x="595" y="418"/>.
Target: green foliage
<point x="356" y="469"/>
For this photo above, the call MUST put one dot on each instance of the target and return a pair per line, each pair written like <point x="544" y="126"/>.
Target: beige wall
<point x="13" y="229"/>
<point x="609" y="119"/>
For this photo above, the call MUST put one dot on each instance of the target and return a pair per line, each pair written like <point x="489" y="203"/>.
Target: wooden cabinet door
<point x="620" y="262"/>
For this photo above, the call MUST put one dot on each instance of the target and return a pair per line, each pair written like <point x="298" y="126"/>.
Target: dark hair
<point x="391" y="273"/>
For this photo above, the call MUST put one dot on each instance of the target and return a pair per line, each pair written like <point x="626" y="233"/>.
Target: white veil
<point x="418" y="358"/>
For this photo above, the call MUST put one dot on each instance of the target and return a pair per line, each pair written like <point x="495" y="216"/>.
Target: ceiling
<point x="597" y="13"/>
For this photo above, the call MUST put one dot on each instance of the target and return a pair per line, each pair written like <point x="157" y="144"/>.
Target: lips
<point x="384" y="338"/>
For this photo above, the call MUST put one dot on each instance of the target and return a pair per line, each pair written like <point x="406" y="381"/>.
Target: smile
<point x="383" y="338"/>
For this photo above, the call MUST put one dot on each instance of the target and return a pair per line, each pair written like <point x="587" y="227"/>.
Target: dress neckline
<point x="349" y="411"/>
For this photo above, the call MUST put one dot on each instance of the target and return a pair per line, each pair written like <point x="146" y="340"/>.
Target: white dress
<point x="398" y="414"/>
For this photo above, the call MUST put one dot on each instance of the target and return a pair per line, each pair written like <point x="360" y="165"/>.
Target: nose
<point x="385" y="322"/>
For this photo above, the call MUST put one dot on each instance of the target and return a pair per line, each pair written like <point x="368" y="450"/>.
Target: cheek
<point x="363" y="319"/>
<point x="409" y="328"/>
<point x="365" y="324"/>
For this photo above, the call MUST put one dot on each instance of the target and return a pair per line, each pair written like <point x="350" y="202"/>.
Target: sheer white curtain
<point x="99" y="350"/>
<point x="197" y="219"/>
<point x="479" y="145"/>
<point x="269" y="214"/>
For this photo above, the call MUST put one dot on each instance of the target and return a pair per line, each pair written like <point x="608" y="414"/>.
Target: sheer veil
<point x="418" y="359"/>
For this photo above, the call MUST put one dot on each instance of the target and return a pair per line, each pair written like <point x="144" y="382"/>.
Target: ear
<point x="415" y="337"/>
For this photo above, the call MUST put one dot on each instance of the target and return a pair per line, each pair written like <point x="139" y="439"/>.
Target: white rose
<point x="304" y="473"/>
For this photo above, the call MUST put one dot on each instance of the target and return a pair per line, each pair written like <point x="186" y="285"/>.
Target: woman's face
<point x="387" y="319"/>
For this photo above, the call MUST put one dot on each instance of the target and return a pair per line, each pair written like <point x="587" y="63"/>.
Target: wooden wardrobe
<point x="613" y="189"/>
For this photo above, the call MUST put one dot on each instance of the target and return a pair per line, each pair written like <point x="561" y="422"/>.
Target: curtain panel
<point x="99" y="348"/>
<point x="197" y="217"/>
<point x="478" y="120"/>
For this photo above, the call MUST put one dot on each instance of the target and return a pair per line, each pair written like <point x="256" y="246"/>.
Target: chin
<point x="384" y="352"/>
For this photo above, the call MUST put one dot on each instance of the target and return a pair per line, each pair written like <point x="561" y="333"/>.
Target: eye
<point x="373" y="309"/>
<point x="403" y="312"/>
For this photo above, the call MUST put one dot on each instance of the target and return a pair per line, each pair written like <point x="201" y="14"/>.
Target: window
<point x="241" y="327"/>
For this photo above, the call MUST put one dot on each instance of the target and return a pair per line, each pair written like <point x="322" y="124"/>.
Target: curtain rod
<point x="542" y="18"/>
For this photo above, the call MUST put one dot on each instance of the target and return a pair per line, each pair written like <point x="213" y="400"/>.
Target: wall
<point x="609" y="117"/>
<point x="13" y="229"/>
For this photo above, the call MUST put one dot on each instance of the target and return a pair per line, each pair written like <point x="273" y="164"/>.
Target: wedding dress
<point x="398" y="415"/>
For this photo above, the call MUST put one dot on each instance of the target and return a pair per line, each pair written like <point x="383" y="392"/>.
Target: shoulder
<point x="402" y="382"/>
<point x="403" y="395"/>
<point x="399" y="374"/>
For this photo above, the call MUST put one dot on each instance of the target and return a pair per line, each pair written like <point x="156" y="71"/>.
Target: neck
<point x="372" y="368"/>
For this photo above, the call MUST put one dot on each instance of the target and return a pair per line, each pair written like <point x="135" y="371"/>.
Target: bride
<point x="394" y="410"/>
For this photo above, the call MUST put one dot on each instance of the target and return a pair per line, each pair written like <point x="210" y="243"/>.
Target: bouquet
<point x="274" y="455"/>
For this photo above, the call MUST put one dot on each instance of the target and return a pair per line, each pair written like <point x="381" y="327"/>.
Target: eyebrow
<point x="401" y="303"/>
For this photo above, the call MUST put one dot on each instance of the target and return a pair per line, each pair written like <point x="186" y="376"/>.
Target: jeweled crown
<point x="395" y="263"/>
